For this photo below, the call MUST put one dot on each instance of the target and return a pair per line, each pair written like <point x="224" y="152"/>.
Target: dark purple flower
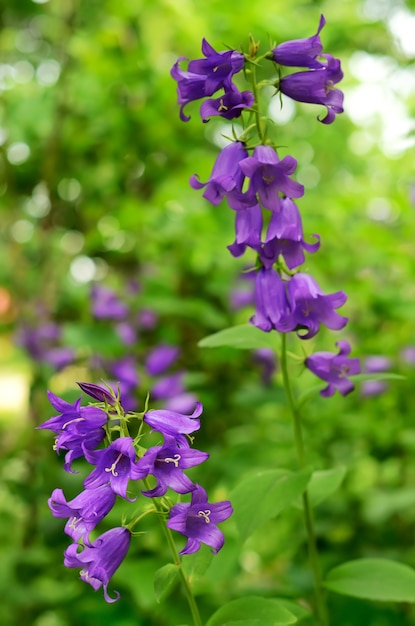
<point x="229" y="106"/>
<point x="271" y="300"/>
<point x="334" y="369"/>
<point x="285" y="237"/>
<point x="97" y="392"/>
<point x="100" y="560"/>
<point x="161" y="358"/>
<point x="205" y="76"/>
<point x="113" y="466"/>
<point x="310" y="307"/>
<point x="198" y="521"/>
<point x="226" y="178"/>
<point x="106" y="305"/>
<point x="374" y="365"/>
<point x="167" y="463"/>
<point x="174" y="424"/>
<point x="317" y="87"/>
<point x="301" y="52"/>
<point x="270" y="176"/>
<point x="85" y="511"/>
<point x="248" y="230"/>
<point x="168" y="386"/>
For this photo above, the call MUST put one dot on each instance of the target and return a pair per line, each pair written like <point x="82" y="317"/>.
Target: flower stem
<point x="176" y="558"/>
<point x="321" y="610"/>
<point x="257" y="111"/>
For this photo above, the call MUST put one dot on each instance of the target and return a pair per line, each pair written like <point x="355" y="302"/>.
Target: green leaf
<point x="373" y="579"/>
<point x="195" y="565"/>
<point x="164" y="580"/>
<point x="242" y="337"/>
<point x="252" y="611"/>
<point x="263" y="495"/>
<point x="378" y="376"/>
<point x="325" y="482"/>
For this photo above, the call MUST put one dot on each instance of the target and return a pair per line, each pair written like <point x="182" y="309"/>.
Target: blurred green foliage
<point x="94" y="169"/>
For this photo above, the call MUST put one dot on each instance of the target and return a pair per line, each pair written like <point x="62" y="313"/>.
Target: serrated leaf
<point x="263" y="495"/>
<point x="252" y="611"/>
<point x="373" y="579"/>
<point x="164" y="580"/>
<point x="242" y="337"/>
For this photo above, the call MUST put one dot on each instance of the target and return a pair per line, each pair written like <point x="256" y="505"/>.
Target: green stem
<point x="257" y="112"/>
<point x="186" y="586"/>
<point x="321" y="609"/>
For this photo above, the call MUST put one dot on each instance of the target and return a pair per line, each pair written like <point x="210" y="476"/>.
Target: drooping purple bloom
<point x="174" y="424"/>
<point x="248" y="230"/>
<point x="85" y="511"/>
<point x="271" y="300"/>
<point x="285" y="237"/>
<point x="161" y="358"/>
<point x="301" y="52"/>
<point x="205" y="76"/>
<point x="310" y="307"/>
<point x="113" y="466"/>
<point x="97" y="392"/>
<point x="100" y="560"/>
<point x="106" y="305"/>
<point x="226" y="178"/>
<point x="270" y="177"/>
<point x="198" y="520"/>
<point x="334" y="369"/>
<point x="76" y="441"/>
<point x="317" y="87"/>
<point x="374" y="365"/>
<point x="230" y="105"/>
<point x="167" y="463"/>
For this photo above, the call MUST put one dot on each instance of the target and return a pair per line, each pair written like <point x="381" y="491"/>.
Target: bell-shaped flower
<point x="174" y="424"/>
<point x="113" y="466"/>
<point x="161" y="358"/>
<point x="270" y="299"/>
<point x="198" y="519"/>
<point x="285" y="237"/>
<point x="334" y="369"/>
<point x="230" y="105"/>
<point x="101" y="559"/>
<point x="166" y="463"/>
<point x="97" y="392"/>
<point x="248" y="230"/>
<point x="317" y="87"/>
<point x="310" y="307"/>
<point x="270" y="176"/>
<point x="301" y="52"/>
<point x="84" y="511"/>
<point x="226" y="178"/>
<point x="76" y="442"/>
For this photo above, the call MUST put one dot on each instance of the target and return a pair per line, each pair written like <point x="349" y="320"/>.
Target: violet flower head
<point x="85" y="511"/>
<point x="174" y="424"/>
<point x="270" y="176"/>
<point x="113" y="466"/>
<point x="285" y="237"/>
<point x="226" y="178"/>
<point x="198" y="521"/>
<point x="161" y="358"/>
<point x="100" y="560"/>
<point x="167" y="463"/>
<point x="301" y="52"/>
<point x="230" y="105"/>
<point x="310" y="307"/>
<point x="248" y="230"/>
<point x="168" y="386"/>
<point x="97" y="392"/>
<point x="317" y="87"/>
<point x="106" y="305"/>
<point x="334" y="369"/>
<point x="271" y="300"/>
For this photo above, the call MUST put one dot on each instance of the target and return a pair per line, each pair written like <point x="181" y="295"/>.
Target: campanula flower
<point x="101" y="559"/>
<point x="248" y="229"/>
<point x="198" y="520"/>
<point x="84" y="511"/>
<point x="334" y="369"/>
<point x="174" y="424"/>
<point x="271" y="300"/>
<point x="301" y="52"/>
<point x="161" y="358"/>
<point x="113" y="466"/>
<point x="168" y="386"/>
<point x="317" y="87"/>
<point x="230" y="105"/>
<point x="269" y="176"/>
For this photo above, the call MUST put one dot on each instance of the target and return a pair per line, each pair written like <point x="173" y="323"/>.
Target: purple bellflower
<point x="248" y="230"/>
<point x="334" y="369"/>
<point x="113" y="466"/>
<point x="301" y="52"/>
<point x="198" y="520"/>
<point x="285" y="237"/>
<point x="317" y="87"/>
<point x="226" y="178"/>
<point x="174" y="424"/>
<point x="97" y="392"/>
<point x="85" y="511"/>
<point x="168" y="386"/>
<point x="182" y="403"/>
<point x="270" y="176"/>
<point x="271" y="300"/>
<point x="310" y="307"/>
<point x="229" y="106"/>
<point x="161" y="358"/>
<point x="100" y="560"/>
<point x="167" y="463"/>
<point x="106" y="305"/>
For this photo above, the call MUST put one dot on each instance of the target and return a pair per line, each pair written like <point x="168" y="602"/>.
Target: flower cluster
<point x="259" y="187"/>
<point x="79" y="431"/>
